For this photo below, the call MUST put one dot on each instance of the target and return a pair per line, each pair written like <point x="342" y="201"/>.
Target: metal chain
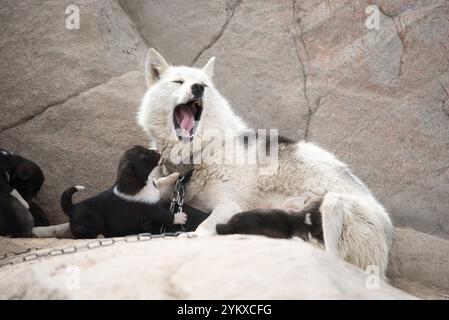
<point x="177" y="200"/>
<point x="3" y="256"/>
<point x="30" y="255"/>
<point x="178" y="195"/>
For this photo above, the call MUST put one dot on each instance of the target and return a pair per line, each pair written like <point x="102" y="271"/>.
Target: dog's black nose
<point x="197" y="90"/>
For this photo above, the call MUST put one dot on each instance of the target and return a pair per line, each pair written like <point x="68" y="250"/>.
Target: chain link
<point x="176" y="200"/>
<point x="30" y="254"/>
<point x="3" y="256"/>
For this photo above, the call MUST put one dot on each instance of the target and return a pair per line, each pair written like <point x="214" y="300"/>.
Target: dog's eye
<point x="178" y="81"/>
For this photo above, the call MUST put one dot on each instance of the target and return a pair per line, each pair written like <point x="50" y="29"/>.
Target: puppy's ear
<point x="155" y="67"/>
<point x="209" y="68"/>
<point x="127" y="182"/>
<point x="24" y="175"/>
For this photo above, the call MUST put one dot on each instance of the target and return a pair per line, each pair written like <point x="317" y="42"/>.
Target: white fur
<point x="17" y="195"/>
<point x="80" y="188"/>
<point x="355" y="225"/>
<point x="209" y="68"/>
<point x="149" y="194"/>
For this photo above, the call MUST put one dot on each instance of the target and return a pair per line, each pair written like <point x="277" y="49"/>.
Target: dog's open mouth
<point x="186" y="117"/>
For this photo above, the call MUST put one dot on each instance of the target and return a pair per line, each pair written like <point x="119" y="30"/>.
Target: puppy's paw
<point x="188" y="235"/>
<point x="180" y="218"/>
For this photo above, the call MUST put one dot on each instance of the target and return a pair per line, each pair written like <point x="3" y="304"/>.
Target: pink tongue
<point x="185" y="118"/>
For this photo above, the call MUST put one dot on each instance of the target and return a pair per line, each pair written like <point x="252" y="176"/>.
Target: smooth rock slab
<point x="179" y="29"/>
<point x="43" y="63"/>
<point x="231" y="267"/>
<point x="420" y="258"/>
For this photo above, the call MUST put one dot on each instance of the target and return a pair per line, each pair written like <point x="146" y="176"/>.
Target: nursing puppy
<point x="278" y="223"/>
<point x="130" y="206"/>
<point x="20" y="181"/>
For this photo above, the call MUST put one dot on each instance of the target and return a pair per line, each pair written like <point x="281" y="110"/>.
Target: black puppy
<point x="130" y="206"/>
<point x="20" y="181"/>
<point x="277" y="223"/>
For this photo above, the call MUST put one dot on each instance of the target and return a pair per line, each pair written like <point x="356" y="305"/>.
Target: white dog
<point x="182" y="104"/>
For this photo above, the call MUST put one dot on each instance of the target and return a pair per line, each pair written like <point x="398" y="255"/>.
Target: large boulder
<point x="379" y="99"/>
<point x="180" y="29"/>
<point x="419" y="264"/>
<point x="230" y="267"/>
<point x="80" y="141"/>
<point x="43" y="63"/>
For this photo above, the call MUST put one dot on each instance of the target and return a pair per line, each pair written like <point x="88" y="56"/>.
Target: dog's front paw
<point x="203" y="232"/>
<point x="188" y="235"/>
<point x="180" y="218"/>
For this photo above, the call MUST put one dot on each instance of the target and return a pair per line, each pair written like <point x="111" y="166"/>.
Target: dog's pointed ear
<point x="209" y="68"/>
<point x="155" y="67"/>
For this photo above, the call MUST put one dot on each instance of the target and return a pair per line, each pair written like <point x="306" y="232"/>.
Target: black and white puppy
<point x="20" y="181"/>
<point x="130" y="206"/>
<point x="278" y="223"/>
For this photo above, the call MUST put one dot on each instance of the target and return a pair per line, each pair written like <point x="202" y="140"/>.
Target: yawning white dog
<point x="181" y="108"/>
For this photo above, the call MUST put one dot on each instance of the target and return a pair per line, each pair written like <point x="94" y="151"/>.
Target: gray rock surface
<point x="80" y="141"/>
<point x="420" y="258"/>
<point x="180" y="29"/>
<point x="206" y="268"/>
<point x="43" y="63"/>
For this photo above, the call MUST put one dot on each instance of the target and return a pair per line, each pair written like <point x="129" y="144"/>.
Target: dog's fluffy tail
<point x="66" y="198"/>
